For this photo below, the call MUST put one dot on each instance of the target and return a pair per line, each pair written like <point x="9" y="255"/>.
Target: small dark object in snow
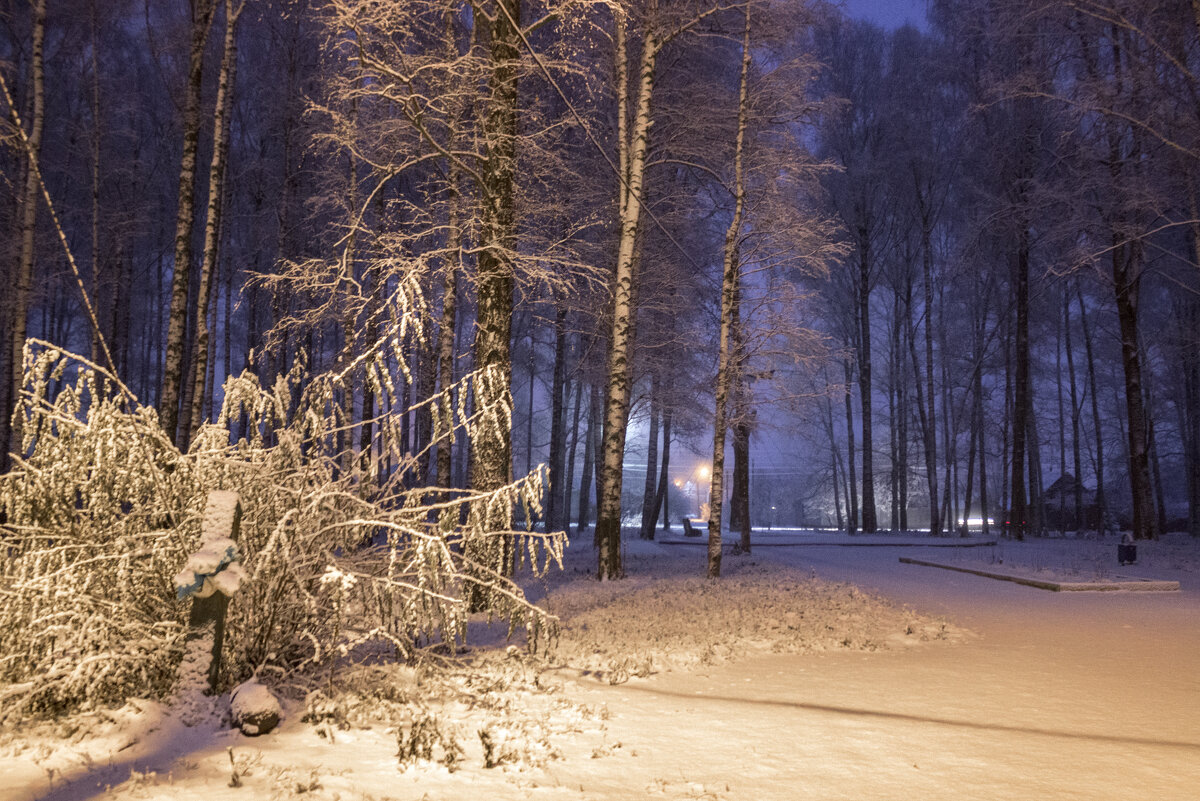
<point x="1126" y="550"/>
<point x="254" y="708"/>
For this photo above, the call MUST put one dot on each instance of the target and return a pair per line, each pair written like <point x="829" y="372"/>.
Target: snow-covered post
<point x="211" y="576"/>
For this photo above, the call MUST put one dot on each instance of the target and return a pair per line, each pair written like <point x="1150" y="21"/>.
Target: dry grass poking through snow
<point x="665" y="615"/>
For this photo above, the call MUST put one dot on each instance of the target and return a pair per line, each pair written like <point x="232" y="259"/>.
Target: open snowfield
<point x="768" y="686"/>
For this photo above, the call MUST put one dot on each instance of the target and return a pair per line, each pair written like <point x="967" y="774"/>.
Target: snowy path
<point x="1059" y="697"/>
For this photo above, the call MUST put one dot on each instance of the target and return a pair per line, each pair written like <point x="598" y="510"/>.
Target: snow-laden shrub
<point x="95" y="526"/>
<point x="102" y="512"/>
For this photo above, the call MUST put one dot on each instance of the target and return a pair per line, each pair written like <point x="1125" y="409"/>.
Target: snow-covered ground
<point x="768" y="685"/>
<point x="1090" y="558"/>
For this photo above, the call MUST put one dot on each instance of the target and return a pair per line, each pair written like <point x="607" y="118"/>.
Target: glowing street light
<point x="698" y="474"/>
<point x="705" y="477"/>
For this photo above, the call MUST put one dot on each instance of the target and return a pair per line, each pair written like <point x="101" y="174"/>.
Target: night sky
<point x="888" y="13"/>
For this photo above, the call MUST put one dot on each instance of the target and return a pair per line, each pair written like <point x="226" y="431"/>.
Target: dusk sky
<point x="888" y="13"/>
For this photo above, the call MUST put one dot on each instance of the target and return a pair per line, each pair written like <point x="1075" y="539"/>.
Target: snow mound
<point x="666" y="616"/>
<point x="254" y="708"/>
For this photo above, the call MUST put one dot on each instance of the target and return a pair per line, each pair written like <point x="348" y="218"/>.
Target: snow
<point x="213" y="567"/>
<point x="228" y="580"/>
<point x="1054" y="695"/>
<point x="219" y="511"/>
<point x="189" y="701"/>
<point x="251" y="700"/>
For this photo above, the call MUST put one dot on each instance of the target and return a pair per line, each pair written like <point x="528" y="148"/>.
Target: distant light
<point x="976" y="521"/>
<point x="704" y="471"/>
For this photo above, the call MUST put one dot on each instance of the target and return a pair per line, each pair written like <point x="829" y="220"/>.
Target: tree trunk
<point x="1034" y="500"/>
<point x="743" y="415"/>
<point x="11" y="442"/>
<point x="833" y="462"/>
<point x="869" y="523"/>
<point x="192" y="412"/>
<point x="424" y="387"/>
<point x="660" y="500"/>
<point x="1101" y="501"/>
<point x="739" y="497"/>
<point x="902" y="401"/>
<point x="448" y="324"/>
<point x="569" y="481"/>
<point x="1076" y="452"/>
<point x="930" y="425"/>
<point x="491" y="463"/>
<point x="532" y="371"/>
<point x="650" y="488"/>
<point x="97" y="294"/>
<point x="590" y="460"/>
<point x="1187" y="402"/>
<point x="11" y="432"/>
<point x="893" y="414"/>
<point x="558" y="413"/>
<point x="851" y="475"/>
<point x="202" y="12"/>
<point x="949" y="439"/>
<point x="979" y="424"/>
<point x="1160" y="503"/>
<point x="727" y="368"/>
<point x="1125" y="282"/>
<point x="633" y="146"/>
<point x="1020" y="428"/>
<point x="972" y="437"/>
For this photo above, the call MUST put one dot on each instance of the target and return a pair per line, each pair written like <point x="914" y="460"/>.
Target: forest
<point x="461" y="248"/>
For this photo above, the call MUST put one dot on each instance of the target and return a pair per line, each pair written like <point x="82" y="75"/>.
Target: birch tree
<point x="730" y="279"/>
<point x="30" y="200"/>
<point x="634" y="111"/>
<point x="201" y="16"/>
<point x="192" y="411"/>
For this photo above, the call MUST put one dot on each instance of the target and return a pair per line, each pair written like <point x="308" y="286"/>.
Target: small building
<point x="1059" y="502"/>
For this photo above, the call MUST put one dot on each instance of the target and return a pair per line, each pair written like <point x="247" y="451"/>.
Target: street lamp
<point x="698" y="474"/>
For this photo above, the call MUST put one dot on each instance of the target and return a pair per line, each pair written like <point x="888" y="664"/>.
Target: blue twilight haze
<point x="888" y="13"/>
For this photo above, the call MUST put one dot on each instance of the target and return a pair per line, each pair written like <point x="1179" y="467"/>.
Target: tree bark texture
<point x="554" y="493"/>
<point x="1019" y="516"/>
<point x="192" y="413"/>
<point x="491" y="463"/>
<point x="650" y="489"/>
<point x="730" y="278"/>
<point x="930" y="425"/>
<point x="632" y="162"/>
<point x="30" y="200"/>
<point x="202" y="12"/>
<point x="851" y="473"/>
<point x="869" y="520"/>
<point x="1126" y="284"/>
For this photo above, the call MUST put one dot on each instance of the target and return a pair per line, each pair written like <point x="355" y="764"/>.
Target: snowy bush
<point x="103" y="512"/>
<point x="96" y="530"/>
